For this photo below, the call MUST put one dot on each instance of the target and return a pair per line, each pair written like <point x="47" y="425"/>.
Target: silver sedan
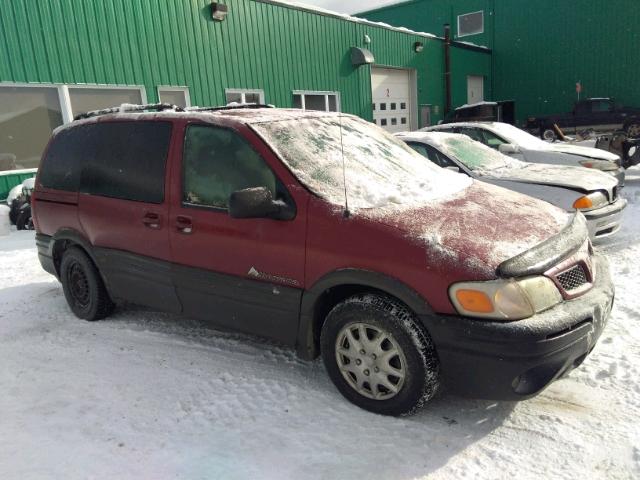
<point x="593" y="193"/>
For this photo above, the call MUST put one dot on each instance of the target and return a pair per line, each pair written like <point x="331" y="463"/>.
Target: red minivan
<point x="322" y="232"/>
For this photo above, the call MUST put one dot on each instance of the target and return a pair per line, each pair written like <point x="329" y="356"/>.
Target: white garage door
<point x="475" y="89"/>
<point x="391" y="89"/>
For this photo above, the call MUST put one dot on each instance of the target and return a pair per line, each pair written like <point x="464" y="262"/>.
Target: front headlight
<point x="591" y="201"/>
<point x="505" y="299"/>
<point x="603" y="165"/>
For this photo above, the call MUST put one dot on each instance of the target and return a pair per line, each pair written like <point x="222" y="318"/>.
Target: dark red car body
<point x="279" y="279"/>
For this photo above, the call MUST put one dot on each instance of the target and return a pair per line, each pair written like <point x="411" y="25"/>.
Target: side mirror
<point x="258" y="202"/>
<point x="508" y="148"/>
<point x="453" y="168"/>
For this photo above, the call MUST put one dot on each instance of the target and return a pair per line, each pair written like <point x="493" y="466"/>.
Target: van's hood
<point x="473" y="233"/>
<point x="588" y="152"/>
<point x="575" y="178"/>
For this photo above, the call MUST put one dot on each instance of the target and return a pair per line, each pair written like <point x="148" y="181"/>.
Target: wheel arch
<point x="336" y="286"/>
<point x="66" y="238"/>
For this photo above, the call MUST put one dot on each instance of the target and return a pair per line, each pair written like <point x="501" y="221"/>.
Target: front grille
<point x="573" y="278"/>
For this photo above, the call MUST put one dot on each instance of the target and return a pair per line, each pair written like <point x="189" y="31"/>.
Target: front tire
<point x="378" y="356"/>
<point x="83" y="287"/>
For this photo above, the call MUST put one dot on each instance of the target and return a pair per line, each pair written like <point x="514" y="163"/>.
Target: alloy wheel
<point x="370" y="360"/>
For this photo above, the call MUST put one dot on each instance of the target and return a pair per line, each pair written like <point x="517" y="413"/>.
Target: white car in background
<point x="593" y="193"/>
<point x="521" y="145"/>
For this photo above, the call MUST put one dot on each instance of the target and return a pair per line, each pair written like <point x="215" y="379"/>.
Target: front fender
<point x="306" y="344"/>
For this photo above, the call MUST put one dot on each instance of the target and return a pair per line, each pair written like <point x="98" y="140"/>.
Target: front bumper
<point x="604" y="222"/>
<point x="516" y="360"/>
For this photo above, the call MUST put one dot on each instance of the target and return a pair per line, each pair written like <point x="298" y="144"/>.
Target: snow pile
<point x="5" y="224"/>
<point x="379" y="171"/>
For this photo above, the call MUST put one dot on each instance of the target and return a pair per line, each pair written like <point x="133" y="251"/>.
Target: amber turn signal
<point x="474" y="301"/>
<point x="583" y="202"/>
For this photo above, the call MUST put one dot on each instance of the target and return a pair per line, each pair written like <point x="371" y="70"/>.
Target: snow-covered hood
<point x="576" y="178"/>
<point x="473" y="233"/>
<point x="588" y="152"/>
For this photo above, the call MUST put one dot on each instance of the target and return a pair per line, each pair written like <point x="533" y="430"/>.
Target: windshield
<point x="379" y="169"/>
<point x="518" y="137"/>
<point x="474" y="155"/>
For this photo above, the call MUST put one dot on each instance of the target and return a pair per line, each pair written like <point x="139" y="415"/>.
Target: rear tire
<point x="83" y="287"/>
<point x="378" y="356"/>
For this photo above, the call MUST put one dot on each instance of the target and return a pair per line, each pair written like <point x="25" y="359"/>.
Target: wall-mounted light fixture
<point x="361" y="56"/>
<point x="367" y="39"/>
<point x="418" y="46"/>
<point x="219" y="11"/>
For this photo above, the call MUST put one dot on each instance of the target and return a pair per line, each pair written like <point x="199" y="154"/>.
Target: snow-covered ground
<point x="145" y="395"/>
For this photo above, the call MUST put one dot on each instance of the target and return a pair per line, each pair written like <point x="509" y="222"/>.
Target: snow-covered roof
<point x="244" y="115"/>
<point x="344" y="16"/>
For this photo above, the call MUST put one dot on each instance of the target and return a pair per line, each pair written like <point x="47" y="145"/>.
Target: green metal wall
<point x="169" y="42"/>
<point x="431" y="15"/>
<point x="542" y="48"/>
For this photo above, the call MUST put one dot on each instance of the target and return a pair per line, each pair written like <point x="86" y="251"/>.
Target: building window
<point x="178" y="96"/>
<point x="323" y="101"/>
<point x="87" y="98"/>
<point x="470" y="24"/>
<point x="235" y="95"/>
<point x="28" y="115"/>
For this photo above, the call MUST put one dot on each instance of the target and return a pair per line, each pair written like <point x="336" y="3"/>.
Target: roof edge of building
<point x="347" y="17"/>
<point x="398" y="3"/>
<point x="350" y="18"/>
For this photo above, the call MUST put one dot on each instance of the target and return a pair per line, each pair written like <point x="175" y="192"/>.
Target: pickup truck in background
<point x="596" y="114"/>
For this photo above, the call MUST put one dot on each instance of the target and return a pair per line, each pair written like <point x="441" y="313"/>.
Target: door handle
<point x="184" y="224"/>
<point x="151" y="220"/>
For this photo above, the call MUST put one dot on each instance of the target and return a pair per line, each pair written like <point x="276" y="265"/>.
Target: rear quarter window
<point x="62" y="163"/>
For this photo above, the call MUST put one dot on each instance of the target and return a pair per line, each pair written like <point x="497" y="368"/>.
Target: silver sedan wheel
<point x="371" y="361"/>
<point x="634" y="130"/>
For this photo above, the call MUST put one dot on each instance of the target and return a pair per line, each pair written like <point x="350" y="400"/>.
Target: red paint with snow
<point x="463" y="236"/>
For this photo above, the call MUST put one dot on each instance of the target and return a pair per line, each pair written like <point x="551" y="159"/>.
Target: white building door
<point x="391" y="92"/>
<point x="475" y="89"/>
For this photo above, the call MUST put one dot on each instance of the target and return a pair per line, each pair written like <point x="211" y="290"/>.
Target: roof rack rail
<point x="128" y="108"/>
<point x="239" y="106"/>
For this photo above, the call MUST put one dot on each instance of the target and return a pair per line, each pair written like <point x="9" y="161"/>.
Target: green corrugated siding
<point x="169" y="42"/>
<point x="542" y="48"/>
<point x="431" y="15"/>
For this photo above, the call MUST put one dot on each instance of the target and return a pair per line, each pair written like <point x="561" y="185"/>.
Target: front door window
<point x="218" y="162"/>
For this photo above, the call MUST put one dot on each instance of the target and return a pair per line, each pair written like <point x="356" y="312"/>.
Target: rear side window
<point x="114" y="159"/>
<point x="127" y="160"/>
